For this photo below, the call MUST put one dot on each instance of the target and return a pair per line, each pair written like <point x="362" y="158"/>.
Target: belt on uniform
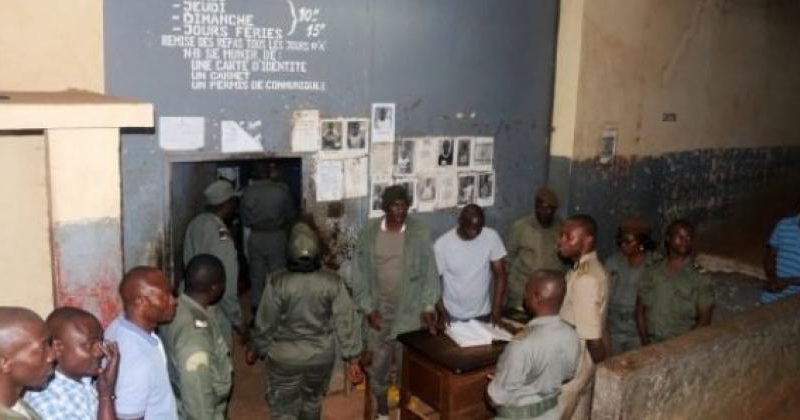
<point x="528" y="411"/>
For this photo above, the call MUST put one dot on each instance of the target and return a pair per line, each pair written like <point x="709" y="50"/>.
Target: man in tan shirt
<point x="585" y="308"/>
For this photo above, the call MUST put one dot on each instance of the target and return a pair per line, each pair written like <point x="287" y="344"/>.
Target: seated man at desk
<point x="534" y="365"/>
<point x="468" y="257"/>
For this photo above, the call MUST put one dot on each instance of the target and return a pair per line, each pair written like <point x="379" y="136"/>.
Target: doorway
<point x="187" y="180"/>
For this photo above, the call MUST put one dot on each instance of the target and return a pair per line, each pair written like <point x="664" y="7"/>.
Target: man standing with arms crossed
<point x="585" y="308"/>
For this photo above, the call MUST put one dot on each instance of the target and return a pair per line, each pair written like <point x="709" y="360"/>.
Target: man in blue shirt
<point x="143" y="388"/>
<point x="782" y="261"/>
<point x="73" y="393"/>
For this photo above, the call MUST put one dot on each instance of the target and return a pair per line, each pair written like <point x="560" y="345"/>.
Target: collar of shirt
<point x="383" y="226"/>
<point x="191" y="302"/>
<point x="85" y="381"/>
<point x="147" y="336"/>
<point x="543" y="320"/>
<point x="586" y="257"/>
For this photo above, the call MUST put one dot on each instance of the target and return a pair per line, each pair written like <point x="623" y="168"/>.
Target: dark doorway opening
<point x="186" y="184"/>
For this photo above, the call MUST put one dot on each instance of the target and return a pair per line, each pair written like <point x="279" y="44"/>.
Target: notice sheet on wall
<point x="329" y="180"/>
<point x="305" y="130"/>
<point x="181" y="133"/>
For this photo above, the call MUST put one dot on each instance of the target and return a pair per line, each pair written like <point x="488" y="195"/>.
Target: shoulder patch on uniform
<point x="196" y="361"/>
<point x="224" y="235"/>
<point x="582" y="268"/>
<point x="200" y="323"/>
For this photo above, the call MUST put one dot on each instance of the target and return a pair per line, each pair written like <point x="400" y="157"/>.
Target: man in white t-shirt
<point x="469" y="256"/>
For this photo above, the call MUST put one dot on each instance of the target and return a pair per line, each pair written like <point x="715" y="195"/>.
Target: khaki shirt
<point x="672" y="299"/>
<point x="199" y="361"/>
<point x="208" y="234"/>
<point x="530" y="247"/>
<point x="586" y="301"/>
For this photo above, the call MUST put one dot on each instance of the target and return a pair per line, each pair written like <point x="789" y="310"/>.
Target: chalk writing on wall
<point x="231" y="51"/>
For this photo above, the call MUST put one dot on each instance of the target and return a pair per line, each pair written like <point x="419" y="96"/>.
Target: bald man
<point x="143" y="389"/>
<point x="533" y="366"/>
<point x="26" y="360"/>
<point x="82" y="387"/>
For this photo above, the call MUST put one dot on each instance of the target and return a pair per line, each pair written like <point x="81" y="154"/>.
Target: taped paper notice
<point x="305" y="130"/>
<point x="329" y="180"/>
<point x="241" y="136"/>
<point x="356" y="183"/>
<point x="181" y="133"/>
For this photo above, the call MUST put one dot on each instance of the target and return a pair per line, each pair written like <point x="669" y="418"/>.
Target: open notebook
<point x="475" y="333"/>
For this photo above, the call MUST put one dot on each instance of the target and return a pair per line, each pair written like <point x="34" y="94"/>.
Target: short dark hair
<point x="587" y="223"/>
<point x="203" y="272"/>
<point x="67" y="314"/>
<point x="679" y="223"/>
<point x="393" y="193"/>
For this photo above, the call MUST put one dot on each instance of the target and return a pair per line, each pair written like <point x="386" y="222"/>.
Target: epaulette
<point x="582" y="268"/>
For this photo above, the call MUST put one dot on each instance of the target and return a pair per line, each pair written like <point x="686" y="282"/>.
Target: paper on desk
<point x="475" y="333"/>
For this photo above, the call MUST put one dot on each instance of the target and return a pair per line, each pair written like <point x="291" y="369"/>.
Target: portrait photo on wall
<point x="357" y="135"/>
<point x="485" y="189"/>
<point x="463" y="152"/>
<point x="446" y="152"/>
<point x="375" y="200"/>
<point x="404" y="157"/>
<point x="483" y="153"/>
<point x="466" y="188"/>
<point x="383" y="119"/>
<point x="331" y="132"/>
<point x="426" y="193"/>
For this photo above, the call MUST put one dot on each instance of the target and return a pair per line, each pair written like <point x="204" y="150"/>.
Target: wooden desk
<point x="450" y="379"/>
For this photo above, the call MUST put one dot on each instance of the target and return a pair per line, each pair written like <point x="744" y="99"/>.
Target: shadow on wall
<point x="734" y="196"/>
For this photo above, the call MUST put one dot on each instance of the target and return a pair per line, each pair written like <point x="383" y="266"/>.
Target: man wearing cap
<point x="532" y="245"/>
<point x="395" y="284"/>
<point x="208" y="234"/>
<point x="268" y="211"/>
<point x="305" y="312"/>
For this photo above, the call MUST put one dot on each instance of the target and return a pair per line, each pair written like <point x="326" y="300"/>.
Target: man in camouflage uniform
<point x="198" y="357"/>
<point x="208" y="234"/>
<point x="532" y="245"/>
<point x="305" y="312"/>
<point x="674" y="297"/>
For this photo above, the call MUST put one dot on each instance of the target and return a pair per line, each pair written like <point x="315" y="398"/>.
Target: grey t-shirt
<point x="389" y="265"/>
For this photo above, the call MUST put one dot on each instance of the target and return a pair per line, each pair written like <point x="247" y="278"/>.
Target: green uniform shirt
<point x="301" y="318"/>
<point x="199" y="361"/>
<point x="267" y="205"/>
<point x="207" y="234"/>
<point x="419" y="287"/>
<point x="622" y="300"/>
<point x="672" y="299"/>
<point x="9" y="414"/>
<point x="530" y="247"/>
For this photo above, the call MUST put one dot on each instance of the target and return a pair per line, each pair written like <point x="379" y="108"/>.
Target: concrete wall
<point x="725" y="70"/>
<point x="51" y="45"/>
<point x="745" y="367"/>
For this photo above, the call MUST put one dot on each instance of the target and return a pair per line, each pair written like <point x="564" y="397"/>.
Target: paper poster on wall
<point x="383" y="119"/>
<point x="426" y="193"/>
<point x="356" y="182"/>
<point x="305" y="130"/>
<point x="381" y="163"/>
<point x="181" y="133"/>
<point x="425" y="154"/>
<point x="485" y="189"/>
<point x="329" y="180"/>
<point x="466" y="188"/>
<point x="446" y="148"/>
<point x="483" y="153"/>
<point x="375" y="200"/>
<point x="241" y="136"/>
<point x="463" y="152"/>
<point x="404" y="164"/>
<point x="446" y="190"/>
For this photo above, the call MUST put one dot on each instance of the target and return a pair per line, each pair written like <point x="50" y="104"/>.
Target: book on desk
<point x="475" y="333"/>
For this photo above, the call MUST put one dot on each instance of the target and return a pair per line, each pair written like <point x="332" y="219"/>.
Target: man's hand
<point x="429" y="321"/>
<point x="375" y="320"/>
<point x="442" y="319"/>
<point x="354" y="371"/>
<point x="250" y="357"/>
<point x="496" y="317"/>
<point x="107" y="374"/>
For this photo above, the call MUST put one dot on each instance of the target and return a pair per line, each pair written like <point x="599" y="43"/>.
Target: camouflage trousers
<point x="295" y="392"/>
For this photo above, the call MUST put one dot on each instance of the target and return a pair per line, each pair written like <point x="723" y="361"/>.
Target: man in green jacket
<point x="305" y="312"/>
<point x="395" y="283"/>
<point x="198" y="357"/>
